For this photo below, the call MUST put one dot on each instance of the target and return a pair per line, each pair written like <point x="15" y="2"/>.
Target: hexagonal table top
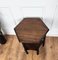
<point x="31" y="30"/>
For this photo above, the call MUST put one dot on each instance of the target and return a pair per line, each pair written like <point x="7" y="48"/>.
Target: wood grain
<point x="31" y="30"/>
<point x="13" y="50"/>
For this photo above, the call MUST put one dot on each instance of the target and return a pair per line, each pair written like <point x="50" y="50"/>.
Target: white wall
<point x="54" y="29"/>
<point x="7" y="22"/>
<point x="12" y="12"/>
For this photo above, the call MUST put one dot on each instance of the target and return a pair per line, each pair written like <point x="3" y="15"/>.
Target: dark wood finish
<point x="34" y="46"/>
<point x="2" y="38"/>
<point x="31" y="32"/>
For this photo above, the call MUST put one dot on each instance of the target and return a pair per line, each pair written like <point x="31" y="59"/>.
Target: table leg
<point x="26" y="51"/>
<point x="37" y="51"/>
<point x="44" y="41"/>
<point x="25" y="48"/>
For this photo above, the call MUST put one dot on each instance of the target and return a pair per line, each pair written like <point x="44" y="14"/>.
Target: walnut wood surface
<point x="31" y="30"/>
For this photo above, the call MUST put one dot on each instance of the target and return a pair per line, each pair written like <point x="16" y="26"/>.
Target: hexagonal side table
<point x="32" y="33"/>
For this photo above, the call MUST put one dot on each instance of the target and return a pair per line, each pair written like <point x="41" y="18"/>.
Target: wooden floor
<point x="13" y="50"/>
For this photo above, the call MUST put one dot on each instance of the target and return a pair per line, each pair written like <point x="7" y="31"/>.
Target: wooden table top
<point x="31" y="30"/>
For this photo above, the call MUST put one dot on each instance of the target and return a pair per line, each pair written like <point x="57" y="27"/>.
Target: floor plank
<point x="4" y="49"/>
<point x="56" y="48"/>
<point x="50" y="48"/>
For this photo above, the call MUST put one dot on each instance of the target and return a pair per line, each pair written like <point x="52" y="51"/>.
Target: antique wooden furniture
<point x="31" y="32"/>
<point x="2" y="38"/>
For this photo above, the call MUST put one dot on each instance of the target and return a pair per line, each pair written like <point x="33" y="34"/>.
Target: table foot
<point x="26" y="51"/>
<point x="37" y="52"/>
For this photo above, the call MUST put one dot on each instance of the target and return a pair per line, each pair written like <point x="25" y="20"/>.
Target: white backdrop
<point x="12" y="12"/>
